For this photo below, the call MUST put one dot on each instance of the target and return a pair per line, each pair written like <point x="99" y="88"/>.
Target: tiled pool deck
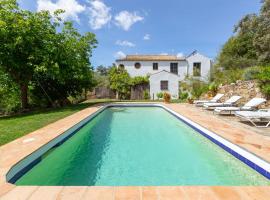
<point x="245" y="137"/>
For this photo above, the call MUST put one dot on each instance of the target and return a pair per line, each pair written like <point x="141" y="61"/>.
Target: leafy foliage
<point x="120" y="82"/>
<point x="183" y="95"/>
<point x="37" y="53"/>
<point x="146" y="94"/>
<point x="264" y="80"/>
<point x="9" y="94"/>
<point x="251" y="73"/>
<point x="159" y="95"/>
<point x="248" y="47"/>
<point x="137" y="80"/>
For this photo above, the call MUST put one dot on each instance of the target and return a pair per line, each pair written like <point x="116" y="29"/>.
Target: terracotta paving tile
<point x="99" y="193"/>
<point x="262" y="193"/>
<point x="5" y="188"/>
<point x="128" y="193"/>
<point x="230" y="193"/>
<point x="19" y="193"/>
<point x="171" y="192"/>
<point x="72" y="192"/>
<point x="199" y="192"/>
<point x="46" y="193"/>
<point x="149" y="193"/>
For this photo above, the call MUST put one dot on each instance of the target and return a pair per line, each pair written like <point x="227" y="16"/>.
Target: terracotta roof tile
<point x="151" y="58"/>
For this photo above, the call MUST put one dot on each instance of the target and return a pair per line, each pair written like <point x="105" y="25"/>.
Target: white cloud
<point x="125" y="43"/>
<point x="180" y="55"/>
<point x="119" y="55"/>
<point x="126" y="19"/>
<point x="99" y="14"/>
<point x="163" y="54"/>
<point x="72" y="8"/>
<point x="146" y="37"/>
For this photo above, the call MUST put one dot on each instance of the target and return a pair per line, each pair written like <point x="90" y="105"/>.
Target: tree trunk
<point x="24" y="95"/>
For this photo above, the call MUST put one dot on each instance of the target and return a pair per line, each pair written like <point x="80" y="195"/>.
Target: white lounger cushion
<point x="248" y="106"/>
<point x="255" y="102"/>
<point x="215" y="99"/>
<point x="229" y="102"/>
<point x="253" y="114"/>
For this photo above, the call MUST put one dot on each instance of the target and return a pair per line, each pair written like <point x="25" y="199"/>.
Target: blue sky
<point x="150" y="26"/>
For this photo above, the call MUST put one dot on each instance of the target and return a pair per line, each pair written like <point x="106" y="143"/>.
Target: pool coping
<point x="4" y="184"/>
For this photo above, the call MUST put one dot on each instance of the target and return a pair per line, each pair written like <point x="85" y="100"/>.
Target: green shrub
<point x="227" y="76"/>
<point x="183" y="95"/>
<point x="10" y="95"/>
<point x="160" y="95"/>
<point x="251" y="73"/>
<point x="213" y="87"/>
<point x="146" y="94"/>
<point x="198" y="88"/>
<point x="263" y="78"/>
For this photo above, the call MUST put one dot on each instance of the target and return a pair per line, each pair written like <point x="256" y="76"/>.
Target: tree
<point x="71" y="73"/>
<point x="35" y="50"/>
<point x="26" y="43"/>
<point x="103" y="71"/>
<point x="262" y="36"/>
<point x="120" y="82"/>
<point x="249" y="45"/>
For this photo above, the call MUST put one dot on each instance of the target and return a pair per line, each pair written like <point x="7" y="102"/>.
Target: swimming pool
<point x="138" y="146"/>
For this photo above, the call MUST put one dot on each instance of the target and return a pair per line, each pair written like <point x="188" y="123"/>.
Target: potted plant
<point x="166" y="97"/>
<point x="190" y="100"/>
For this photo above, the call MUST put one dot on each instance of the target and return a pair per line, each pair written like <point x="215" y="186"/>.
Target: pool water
<point x="139" y="146"/>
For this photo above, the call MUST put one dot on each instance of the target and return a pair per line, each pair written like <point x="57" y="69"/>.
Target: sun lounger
<point x="255" y="117"/>
<point x="249" y="106"/>
<point x="230" y="102"/>
<point x="214" y="100"/>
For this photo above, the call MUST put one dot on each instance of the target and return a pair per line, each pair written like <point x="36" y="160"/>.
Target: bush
<point x="10" y="95"/>
<point x="166" y="97"/>
<point x="183" y="95"/>
<point x="146" y="94"/>
<point x="263" y="78"/>
<point x="251" y="73"/>
<point x="213" y="87"/>
<point x="159" y="95"/>
<point x="227" y="76"/>
<point x="198" y="88"/>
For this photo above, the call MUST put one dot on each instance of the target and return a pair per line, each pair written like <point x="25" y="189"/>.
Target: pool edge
<point x="253" y="161"/>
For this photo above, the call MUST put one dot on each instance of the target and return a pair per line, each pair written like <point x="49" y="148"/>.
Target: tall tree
<point x="262" y="35"/>
<point x="26" y="43"/>
<point x="120" y="82"/>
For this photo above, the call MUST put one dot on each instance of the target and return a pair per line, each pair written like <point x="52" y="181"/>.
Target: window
<point x="174" y="68"/>
<point x="163" y="85"/>
<point x="155" y="66"/>
<point x="197" y="69"/>
<point x="137" y="65"/>
<point x="121" y="66"/>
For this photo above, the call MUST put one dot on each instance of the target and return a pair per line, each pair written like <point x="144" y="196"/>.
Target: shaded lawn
<point x="17" y="126"/>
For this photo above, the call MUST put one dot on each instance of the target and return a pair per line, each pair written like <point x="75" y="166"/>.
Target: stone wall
<point x="246" y="89"/>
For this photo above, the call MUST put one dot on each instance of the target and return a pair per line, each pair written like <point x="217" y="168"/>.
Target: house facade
<point x="166" y="71"/>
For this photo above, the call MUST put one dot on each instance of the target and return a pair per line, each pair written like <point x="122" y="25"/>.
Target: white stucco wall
<point x="147" y="67"/>
<point x="205" y="65"/>
<point x="173" y="84"/>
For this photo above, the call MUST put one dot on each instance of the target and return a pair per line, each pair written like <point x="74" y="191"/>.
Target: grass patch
<point x="13" y="127"/>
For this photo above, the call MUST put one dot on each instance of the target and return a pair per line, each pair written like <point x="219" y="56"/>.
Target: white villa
<point x="166" y="71"/>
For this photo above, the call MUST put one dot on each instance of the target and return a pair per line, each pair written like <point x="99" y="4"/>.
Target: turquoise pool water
<point x="139" y="146"/>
